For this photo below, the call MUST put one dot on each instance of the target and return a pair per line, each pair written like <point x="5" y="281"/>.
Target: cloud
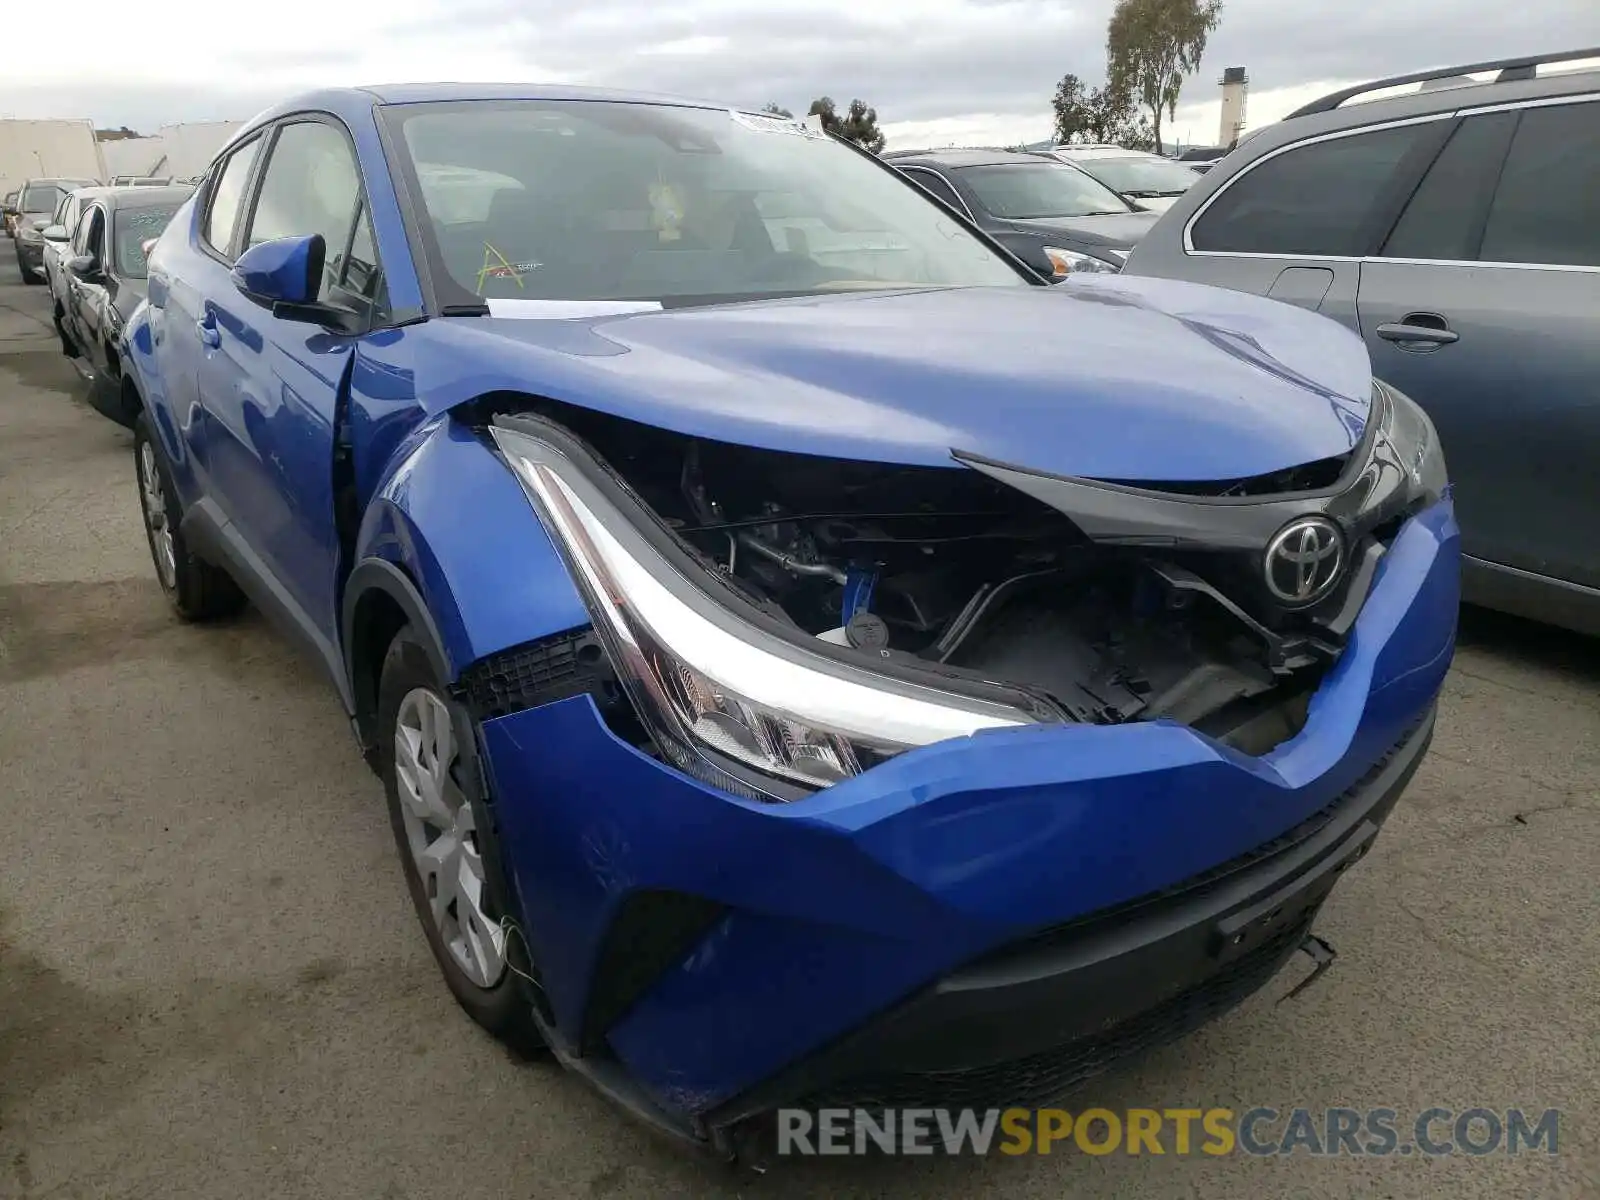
<point x="937" y="70"/>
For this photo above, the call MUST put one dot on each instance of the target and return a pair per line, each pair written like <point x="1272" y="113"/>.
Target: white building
<point x="48" y="149"/>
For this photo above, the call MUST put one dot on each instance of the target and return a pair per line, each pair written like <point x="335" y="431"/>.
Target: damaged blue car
<point x="810" y="658"/>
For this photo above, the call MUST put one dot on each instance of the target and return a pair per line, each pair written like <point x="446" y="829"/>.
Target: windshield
<point x="41" y="198"/>
<point x="1141" y="176"/>
<point x="131" y="228"/>
<point x="588" y="200"/>
<point x="1021" y="191"/>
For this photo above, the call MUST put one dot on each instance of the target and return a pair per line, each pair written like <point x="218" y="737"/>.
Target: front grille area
<point x="1040" y="1079"/>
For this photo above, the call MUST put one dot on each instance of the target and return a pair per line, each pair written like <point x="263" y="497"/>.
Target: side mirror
<point x="285" y="271"/>
<point x="82" y="265"/>
<point x="54" y="233"/>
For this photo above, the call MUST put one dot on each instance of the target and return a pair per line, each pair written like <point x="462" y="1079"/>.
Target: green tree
<point x="1152" y="45"/>
<point x="777" y="110"/>
<point x="1100" y="115"/>
<point x="859" y="124"/>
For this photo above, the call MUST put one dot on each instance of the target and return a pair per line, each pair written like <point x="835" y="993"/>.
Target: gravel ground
<point x="211" y="983"/>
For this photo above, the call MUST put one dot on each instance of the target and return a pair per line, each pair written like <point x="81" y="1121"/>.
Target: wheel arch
<point x="381" y="599"/>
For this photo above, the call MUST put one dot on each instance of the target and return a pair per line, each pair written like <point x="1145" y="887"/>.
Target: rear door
<point x="271" y="389"/>
<point x="187" y="269"/>
<point x="1484" y="307"/>
<point x="1295" y="223"/>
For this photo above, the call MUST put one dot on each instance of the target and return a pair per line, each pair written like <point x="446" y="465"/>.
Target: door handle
<point x="1419" y="330"/>
<point x="209" y="334"/>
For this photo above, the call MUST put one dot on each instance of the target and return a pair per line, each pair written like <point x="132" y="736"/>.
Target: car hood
<point x="1102" y="376"/>
<point x="1120" y="230"/>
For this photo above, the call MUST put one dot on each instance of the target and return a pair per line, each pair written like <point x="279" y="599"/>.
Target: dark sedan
<point x="36" y="207"/>
<point x="105" y="277"/>
<point x="1054" y="217"/>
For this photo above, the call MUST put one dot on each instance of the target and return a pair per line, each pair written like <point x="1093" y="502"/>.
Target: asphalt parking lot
<point x="211" y="982"/>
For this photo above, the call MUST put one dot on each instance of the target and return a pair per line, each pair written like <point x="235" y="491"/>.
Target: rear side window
<point x="1546" y="209"/>
<point x="227" y="198"/>
<point x="1446" y="212"/>
<point x="1319" y="199"/>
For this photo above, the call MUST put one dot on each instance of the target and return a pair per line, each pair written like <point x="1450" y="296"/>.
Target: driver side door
<point x="272" y="387"/>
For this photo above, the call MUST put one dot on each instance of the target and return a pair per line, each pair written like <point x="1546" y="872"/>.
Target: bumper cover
<point x="1015" y="859"/>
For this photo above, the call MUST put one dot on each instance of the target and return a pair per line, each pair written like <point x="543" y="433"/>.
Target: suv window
<point x="1544" y="209"/>
<point x="1446" y="212"/>
<point x="311" y="186"/>
<point x="935" y="185"/>
<point x="227" y="197"/>
<point x="67" y="214"/>
<point x="91" y="234"/>
<point x="1315" y="199"/>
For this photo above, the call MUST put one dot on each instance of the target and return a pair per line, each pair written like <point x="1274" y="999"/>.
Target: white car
<point x="1148" y="180"/>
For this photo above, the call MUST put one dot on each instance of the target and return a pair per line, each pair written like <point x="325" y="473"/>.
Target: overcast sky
<point x="938" y="71"/>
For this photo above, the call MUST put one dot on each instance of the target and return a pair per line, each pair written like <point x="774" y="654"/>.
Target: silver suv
<point x="1456" y="229"/>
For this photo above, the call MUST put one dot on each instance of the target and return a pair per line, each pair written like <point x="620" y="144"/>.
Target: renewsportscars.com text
<point x="1329" y="1132"/>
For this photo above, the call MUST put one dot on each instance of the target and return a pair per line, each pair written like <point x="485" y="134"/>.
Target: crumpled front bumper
<point x="716" y="947"/>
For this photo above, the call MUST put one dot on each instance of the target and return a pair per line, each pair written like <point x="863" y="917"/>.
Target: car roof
<point x="144" y="197"/>
<point x="964" y="158"/>
<point x="1103" y="152"/>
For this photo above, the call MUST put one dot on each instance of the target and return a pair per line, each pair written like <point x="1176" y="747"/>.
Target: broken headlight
<point x="726" y="701"/>
<point x="1415" y="442"/>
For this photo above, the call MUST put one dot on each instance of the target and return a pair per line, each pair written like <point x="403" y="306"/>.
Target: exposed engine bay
<point x="950" y="568"/>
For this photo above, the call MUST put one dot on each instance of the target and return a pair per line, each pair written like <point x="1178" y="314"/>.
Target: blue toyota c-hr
<point x="809" y="658"/>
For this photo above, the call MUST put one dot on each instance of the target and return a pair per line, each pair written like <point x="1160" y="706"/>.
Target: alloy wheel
<point x="155" y="516"/>
<point x="442" y="833"/>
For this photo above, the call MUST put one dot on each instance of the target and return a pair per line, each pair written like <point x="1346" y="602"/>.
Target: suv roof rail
<point x="1526" y="67"/>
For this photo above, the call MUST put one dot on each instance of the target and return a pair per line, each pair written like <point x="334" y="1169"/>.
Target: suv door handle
<point x="210" y="336"/>
<point x="1419" y="330"/>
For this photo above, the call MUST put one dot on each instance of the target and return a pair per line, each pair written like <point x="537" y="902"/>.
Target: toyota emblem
<point x="1304" y="560"/>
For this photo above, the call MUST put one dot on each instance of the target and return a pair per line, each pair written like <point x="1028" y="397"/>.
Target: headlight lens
<point x="1070" y="262"/>
<point x="724" y="700"/>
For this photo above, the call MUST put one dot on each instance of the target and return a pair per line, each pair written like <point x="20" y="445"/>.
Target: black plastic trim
<point x="651" y="932"/>
<point x="376" y="574"/>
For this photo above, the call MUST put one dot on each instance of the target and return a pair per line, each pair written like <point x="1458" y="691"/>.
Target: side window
<point x="311" y="186"/>
<point x="67" y="215"/>
<point x="1544" y="210"/>
<point x="93" y="225"/>
<point x="935" y="185"/>
<point x="227" y="197"/>
<point x="359" y="275"/>
<point x="1316" y="199"/>
<point x="1445" y="214"/>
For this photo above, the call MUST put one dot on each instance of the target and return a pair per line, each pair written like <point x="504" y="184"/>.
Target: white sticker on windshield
<point x="772" y="123"/>
<point x="557" y="310"/>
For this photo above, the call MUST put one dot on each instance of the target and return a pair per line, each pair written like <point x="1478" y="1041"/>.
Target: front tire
<point x="443" y="833"/>
<point x="198" y="590"/>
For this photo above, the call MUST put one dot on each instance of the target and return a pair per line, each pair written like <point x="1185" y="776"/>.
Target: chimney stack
<point x="1235" y="87"/>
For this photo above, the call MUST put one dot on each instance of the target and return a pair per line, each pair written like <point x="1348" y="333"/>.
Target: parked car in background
<point x="1457" y="230"/>
<point x="141" y="181"/>
<point x="104" y="272"/>
<point x="795" y="679"/>
<point x="1148" y="180"/>
<point x="57" y="238"/>
<point x="8" y="211"/>
<point x="36" y="208"/>
<point x="1057" y="219"/>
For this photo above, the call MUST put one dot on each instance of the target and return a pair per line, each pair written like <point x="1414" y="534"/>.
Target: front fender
<point x="452" y="517"/>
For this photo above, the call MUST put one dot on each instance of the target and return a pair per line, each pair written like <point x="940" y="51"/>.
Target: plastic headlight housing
<point x="1070" y="262"/>
<point x="1415" y="442"/>
<point x="735" y="705"/>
